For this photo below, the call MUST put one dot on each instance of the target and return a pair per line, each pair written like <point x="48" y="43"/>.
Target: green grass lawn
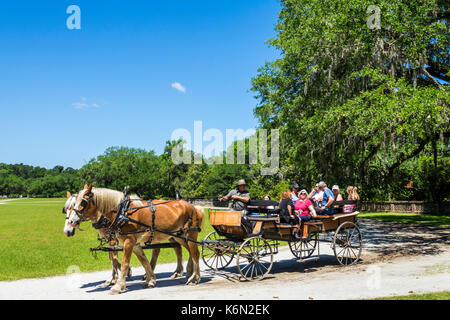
<point x="444" y="295"/>
<point x="32" y="242"/>
<point x="424" y="219"/>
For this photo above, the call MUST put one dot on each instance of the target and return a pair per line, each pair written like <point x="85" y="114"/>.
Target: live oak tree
<point x="354" y="104"/>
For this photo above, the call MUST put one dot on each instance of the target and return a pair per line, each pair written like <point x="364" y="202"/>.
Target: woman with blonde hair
<point x="353" y="193"/>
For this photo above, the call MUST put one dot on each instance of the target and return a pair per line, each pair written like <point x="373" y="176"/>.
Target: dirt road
<point x="397" y="259"/>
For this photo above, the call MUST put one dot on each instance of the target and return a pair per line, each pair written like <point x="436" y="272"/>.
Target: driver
<point x="239" y="196"/>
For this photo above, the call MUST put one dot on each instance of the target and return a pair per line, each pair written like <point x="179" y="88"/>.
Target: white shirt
<point x="318" y="196"/>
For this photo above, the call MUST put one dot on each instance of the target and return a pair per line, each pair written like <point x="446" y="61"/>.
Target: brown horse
<point x="112" y="240"/>
<point x="173" y="217"/>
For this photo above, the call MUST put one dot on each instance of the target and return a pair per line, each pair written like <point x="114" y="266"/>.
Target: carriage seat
<point x="286" y="225"/>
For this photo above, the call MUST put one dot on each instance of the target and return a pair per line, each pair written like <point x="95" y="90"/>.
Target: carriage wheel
<point x="217" y="256"/>
<point x="254" y="259"/>
<point x="303" y="249"/>
<point x="347" y="243"/>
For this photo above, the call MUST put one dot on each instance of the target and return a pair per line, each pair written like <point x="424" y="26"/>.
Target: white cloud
<point x="80" y="105"/>
<point x="179" y="87"/>
<point x="84" y="104"/>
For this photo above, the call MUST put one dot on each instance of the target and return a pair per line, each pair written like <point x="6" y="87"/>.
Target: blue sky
<point x="67" y="95"/>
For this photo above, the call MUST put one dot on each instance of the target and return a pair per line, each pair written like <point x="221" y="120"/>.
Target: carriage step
<point x="309" y="259"/>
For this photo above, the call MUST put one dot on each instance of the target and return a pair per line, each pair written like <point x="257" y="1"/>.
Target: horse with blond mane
<point x="100" y="205"/>
<point x="69" y="231"/>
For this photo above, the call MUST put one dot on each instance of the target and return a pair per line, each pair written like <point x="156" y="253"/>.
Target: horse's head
<point x="84" y="208"/>
<point x="67" y="210"/>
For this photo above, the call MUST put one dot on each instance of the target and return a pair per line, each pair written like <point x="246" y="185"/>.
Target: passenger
<point x="239" y="197"/>
<point x="294" y="192"/>
<point x="337" y="197"/>
<point x="267" y="197"/>
<point x="304" y="207"/>
<point x="349" y="192"/>
<point x="355" y="195"/>
<point x="287" y="212"/>
<point x="352" y="195"/>
<point x="316" y="195"/>
<point x="325" y="206"/>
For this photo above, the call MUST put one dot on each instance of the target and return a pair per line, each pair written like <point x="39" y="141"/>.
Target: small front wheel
<point x="304" y="249"/>
<point x="215" y="254"/>
<point x="254" y="259"/>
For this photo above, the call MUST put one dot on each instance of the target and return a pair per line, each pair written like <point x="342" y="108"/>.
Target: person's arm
<point x="313" y="212"/>
<point x="291" y="209"/>
<point x="243" y="199"/>
<point x="227" y="197"/>
<point x="330" y="201"/>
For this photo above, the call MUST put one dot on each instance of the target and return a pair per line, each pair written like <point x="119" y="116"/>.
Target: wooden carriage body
<point x="253" y="240"/>
<point x="229" y="224"/>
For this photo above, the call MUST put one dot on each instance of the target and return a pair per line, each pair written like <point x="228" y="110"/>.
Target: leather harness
<point x="123" y="216"/>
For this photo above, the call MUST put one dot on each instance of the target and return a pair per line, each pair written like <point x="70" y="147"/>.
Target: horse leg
<point x="155" y="255"/>
<point x="121" y="284"/>
<point x="179" y="270"/>
<point x="150" y="278"/>
<point x="115" y="270"/>
<point x="179" y="253"/>
<point x="194" y="260"/>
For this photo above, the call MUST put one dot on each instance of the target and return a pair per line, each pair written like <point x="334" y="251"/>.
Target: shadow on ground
<point x="394" y="238"/>
<point x="136" y="282"/>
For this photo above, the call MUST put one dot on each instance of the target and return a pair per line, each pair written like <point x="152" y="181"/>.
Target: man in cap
<point x="239" y="196"/>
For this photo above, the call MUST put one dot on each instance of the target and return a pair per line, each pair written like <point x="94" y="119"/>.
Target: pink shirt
<point x="303" y="207"/>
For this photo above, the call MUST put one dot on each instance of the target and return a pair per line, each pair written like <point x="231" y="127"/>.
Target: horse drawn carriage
<point x="253" y="240"/>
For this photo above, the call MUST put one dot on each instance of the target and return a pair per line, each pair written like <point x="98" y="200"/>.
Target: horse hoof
<point x="114" y="292"/>
<point x="106" y="284"/>
<point x="144" y="278"/>
<point x="149" y="285"/>
<point x="130" y="274"/>
<point x="193" y="281"/>
<point x="175" y="275"/>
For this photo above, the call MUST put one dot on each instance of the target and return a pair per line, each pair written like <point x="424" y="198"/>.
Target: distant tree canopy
<point x="360" y="106"/>
<point x="20" y="179"/>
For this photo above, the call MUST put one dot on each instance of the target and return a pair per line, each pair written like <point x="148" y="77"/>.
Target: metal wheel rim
<point x="347" y="244"/>
<point x="307" y="247"/>
<point x="254" y="259"/>
<point x="212" y="258"/>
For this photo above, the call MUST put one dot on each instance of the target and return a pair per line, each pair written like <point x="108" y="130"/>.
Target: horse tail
<point x="200" y="214"/>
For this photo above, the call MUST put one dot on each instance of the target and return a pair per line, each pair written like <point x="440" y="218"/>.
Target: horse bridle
<point x="83" y="204"/>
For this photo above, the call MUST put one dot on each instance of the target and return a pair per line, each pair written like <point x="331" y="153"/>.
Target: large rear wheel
<point x="347" y="244"/>
<point x="254" y="259"/>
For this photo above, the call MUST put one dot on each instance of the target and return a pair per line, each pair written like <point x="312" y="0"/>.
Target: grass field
<point x="425" y="219"/>
<point x="32" y="242"/>
<point x="444" y="295"/>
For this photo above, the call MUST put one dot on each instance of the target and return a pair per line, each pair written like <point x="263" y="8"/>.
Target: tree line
<point x="156" y="177"/>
